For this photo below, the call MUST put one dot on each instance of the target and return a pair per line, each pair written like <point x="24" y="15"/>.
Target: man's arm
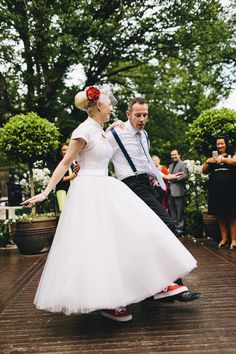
<point x="173" y="177"/>
<point x="180" y="176"/>
<point x="184" y="173"/>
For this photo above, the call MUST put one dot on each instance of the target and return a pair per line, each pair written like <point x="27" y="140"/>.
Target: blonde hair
<point x="82" y="101"/>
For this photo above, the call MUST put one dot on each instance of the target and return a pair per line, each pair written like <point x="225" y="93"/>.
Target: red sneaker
<point x="119" y="314"/>
<point x="171" y="290"/>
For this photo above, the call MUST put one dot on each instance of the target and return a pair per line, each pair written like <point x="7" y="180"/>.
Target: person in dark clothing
<point x="64" y="184"/>
<point x="221" y="168"/>
<point x="177" y="191"/>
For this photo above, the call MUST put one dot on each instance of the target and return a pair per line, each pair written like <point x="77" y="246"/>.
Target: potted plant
<point x="201" y="136"/>
<point x="27" y="138"/>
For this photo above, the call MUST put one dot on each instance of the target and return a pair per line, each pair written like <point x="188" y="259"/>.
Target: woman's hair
<point x="63" y="144"/>
<point x="81" y="100"/>
<point x="88" y="98"/>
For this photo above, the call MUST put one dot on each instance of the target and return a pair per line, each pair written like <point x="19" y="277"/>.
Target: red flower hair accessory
<point x="93" y="93"/>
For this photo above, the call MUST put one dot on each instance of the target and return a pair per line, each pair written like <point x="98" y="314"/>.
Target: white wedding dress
<point x="110" y="249"/>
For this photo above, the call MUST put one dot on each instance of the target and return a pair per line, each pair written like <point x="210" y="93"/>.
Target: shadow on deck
<point x="204" y="326"/>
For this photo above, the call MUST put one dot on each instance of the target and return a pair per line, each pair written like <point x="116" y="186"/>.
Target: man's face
<point x="138" y="116"/>
<point x="175" y="156"/>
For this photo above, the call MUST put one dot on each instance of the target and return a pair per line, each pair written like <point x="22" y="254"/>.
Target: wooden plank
<point x="204" y="326"/>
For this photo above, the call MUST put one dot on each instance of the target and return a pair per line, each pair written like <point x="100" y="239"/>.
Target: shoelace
<point x="119" y="310"/>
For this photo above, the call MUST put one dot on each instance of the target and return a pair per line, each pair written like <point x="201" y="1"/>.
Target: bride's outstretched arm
<point x="75" y="147"/>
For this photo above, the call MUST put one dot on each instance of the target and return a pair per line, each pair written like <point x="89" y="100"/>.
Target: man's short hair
<point x="174" y="148"/>
<point x="140" y="100"/>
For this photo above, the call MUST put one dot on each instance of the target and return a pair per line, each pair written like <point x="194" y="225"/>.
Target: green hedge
<point x="210" y="124"/>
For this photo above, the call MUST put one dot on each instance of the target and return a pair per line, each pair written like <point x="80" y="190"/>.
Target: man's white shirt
<point x="130" y="140"/>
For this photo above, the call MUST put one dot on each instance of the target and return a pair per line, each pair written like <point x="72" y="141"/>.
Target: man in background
<point x="177" y="191"/>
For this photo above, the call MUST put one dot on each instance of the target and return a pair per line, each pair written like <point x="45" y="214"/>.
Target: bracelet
<point x="44" y="194"/>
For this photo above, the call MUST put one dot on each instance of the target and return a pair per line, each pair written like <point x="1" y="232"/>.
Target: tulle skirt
<point x="110" y="249"/>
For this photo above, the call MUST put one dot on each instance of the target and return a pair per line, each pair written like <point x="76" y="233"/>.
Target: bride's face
<point x="105" y="110"/>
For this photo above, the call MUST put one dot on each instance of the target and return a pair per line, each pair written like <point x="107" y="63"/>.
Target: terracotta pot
<point x="35" y="236"/>
<point x="211" y="226"/>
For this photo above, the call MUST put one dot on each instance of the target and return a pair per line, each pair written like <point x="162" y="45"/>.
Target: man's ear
<point x="128" y="114"/>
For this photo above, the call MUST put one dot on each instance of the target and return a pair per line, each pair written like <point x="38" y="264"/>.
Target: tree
<point x="212" y="123"/>
<point x="171" y="51"/>
<point x="27" y="138"/>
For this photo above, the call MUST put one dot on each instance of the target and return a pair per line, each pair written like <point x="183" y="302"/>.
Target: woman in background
<point x="221" y="168"/>
<point x="64" y="184"/>
<point x="161" y="195"/>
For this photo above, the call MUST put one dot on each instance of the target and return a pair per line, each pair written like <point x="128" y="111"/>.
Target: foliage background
<point x="179" y="54"/>
<point x="210" y="124"/>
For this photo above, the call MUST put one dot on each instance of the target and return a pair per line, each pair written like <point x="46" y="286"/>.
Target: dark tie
<point x="173" y="167"/>
<point x="149" y="159"/>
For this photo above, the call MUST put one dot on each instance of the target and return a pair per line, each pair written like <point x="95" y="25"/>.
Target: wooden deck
<point x="204" y="326"/>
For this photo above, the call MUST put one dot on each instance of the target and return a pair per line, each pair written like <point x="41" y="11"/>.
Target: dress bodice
<point x="95" y="156"/>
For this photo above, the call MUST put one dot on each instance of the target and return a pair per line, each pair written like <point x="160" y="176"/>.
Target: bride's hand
<point x="36" y="199"/>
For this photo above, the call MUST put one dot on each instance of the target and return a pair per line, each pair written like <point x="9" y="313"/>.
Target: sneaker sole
<point x="162" y="295"/>
<point x="117" y="319"/>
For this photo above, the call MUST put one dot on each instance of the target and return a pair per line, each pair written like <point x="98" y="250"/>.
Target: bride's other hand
<point x="36" y="199"/>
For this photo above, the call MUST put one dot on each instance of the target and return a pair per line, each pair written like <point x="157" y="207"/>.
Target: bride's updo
<point x="81" y="100"/>
<point x="87" y="99"/>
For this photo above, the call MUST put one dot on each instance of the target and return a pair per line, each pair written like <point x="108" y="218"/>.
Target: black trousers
<point x="141" y="186"/>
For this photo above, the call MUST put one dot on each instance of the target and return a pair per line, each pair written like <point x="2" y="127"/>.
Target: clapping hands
<point x="173" y="176"/>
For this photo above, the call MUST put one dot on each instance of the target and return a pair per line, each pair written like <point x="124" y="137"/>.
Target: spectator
<point x="221" y="168"/>
<point x="161" y="195"/>
<point x="177" y="191"/>
<point x="64" y="184"/>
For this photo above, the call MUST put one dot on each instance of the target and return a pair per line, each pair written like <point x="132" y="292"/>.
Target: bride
<point x="110" y="249"/>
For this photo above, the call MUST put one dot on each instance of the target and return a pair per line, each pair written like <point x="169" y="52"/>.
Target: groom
<point x="137" y="114"/>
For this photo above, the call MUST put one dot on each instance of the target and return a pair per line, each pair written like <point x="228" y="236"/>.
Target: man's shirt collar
<point x="130" y="128"/>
